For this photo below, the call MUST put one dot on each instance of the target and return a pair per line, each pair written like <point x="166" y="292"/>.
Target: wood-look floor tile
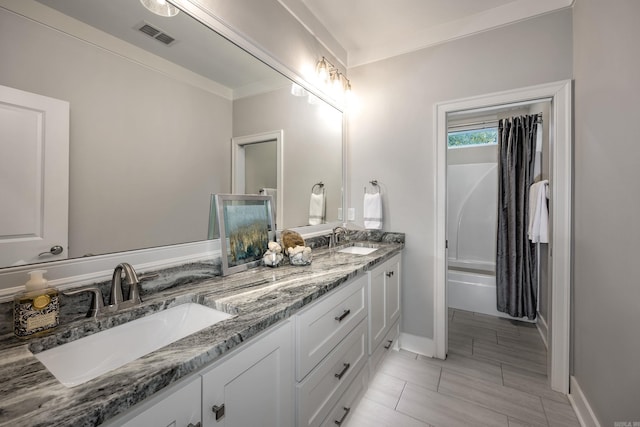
<point x="484" y="320"/>
<point x="385" y="389"/>
<point x="414" y="371"/>
<point x="467" y="329"/>
<point x="560" y="414"/>
<point x="508" y="401"/>
<point x="445" y="411"/>
<point x="407" y="353"/>
<point x="517" y="423"/>
<point x="460" y="344"/>
<point x="369" y="413"/>
<point x="524" y="344"/>
<point x="530" y="382"/>
<point x="484" y="370"/>
<point x="526" y="360"/>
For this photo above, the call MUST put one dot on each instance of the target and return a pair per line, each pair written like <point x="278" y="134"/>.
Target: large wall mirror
<point x="155" y="103"/>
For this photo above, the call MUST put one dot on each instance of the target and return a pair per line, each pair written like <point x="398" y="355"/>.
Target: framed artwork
<point x="245" y="224"/>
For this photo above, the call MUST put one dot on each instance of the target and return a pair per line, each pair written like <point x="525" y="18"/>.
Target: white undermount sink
<point x="357" y="250"/>
<point x="82" y="360"/>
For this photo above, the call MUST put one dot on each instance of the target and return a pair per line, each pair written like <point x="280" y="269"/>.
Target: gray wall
<point x="312" y="147"/>
<point x="138" y="140"/>
<point x="260" y="166"/>
<point x="391" y="130"/>
<point x="606" y="294"/>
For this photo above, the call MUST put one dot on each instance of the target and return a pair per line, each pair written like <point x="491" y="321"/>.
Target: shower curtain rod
<point x="494" y="123"/>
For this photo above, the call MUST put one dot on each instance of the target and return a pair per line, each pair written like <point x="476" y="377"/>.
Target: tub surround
<point x="258" y="298"/>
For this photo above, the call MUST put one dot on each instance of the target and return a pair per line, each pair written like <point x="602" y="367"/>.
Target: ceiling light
<point x="329" y="74"/>
<point x="160" y="7"/>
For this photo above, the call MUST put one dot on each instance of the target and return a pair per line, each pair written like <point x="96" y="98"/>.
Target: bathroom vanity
<point x="298" y="350"/>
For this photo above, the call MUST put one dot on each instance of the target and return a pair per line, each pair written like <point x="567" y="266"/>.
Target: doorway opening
<point x="559" y="97"/>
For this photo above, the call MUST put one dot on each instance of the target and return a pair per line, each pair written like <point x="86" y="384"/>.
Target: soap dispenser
<point x="37" y="310"/>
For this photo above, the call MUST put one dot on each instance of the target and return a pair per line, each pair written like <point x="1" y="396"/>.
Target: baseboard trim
<point x="543" y="328"/>
<point x="581" y="405"/>
<point x="416" y="344"/>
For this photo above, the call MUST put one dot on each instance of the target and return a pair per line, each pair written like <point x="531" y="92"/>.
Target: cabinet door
<point x="392" y="285"/>
<point x="254" y="386"/>
<point x="377" y="318"/>
<point x="180" y="408"/>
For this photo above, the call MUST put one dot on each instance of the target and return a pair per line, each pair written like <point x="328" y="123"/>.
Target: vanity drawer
<point x="320" y="391"/>
<point x="387" y="344"/>
<point x="343" y="411"/>
<point x="323" y="325"/>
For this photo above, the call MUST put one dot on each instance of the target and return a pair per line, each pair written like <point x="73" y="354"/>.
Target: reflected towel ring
<point x="374" y="183"/>
<point x="318" y="184"/>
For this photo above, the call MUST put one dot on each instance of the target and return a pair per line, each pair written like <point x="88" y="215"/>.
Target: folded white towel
<point x="316" y="208"/>
<point x="538" y="213"/>
<point x="372" y="211"/>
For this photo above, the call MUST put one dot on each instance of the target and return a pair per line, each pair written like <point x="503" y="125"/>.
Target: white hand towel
<point x="316" y="208"/>
<point x="537" y="165"/>
<point x="372" y="211"/>
<point x="538" y="213"/>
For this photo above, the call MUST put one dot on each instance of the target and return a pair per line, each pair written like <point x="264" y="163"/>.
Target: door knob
<point x="55" y="250"/>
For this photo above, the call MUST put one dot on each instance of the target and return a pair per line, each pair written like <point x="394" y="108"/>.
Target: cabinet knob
<point x="219" y="411"/>
<point x="344" y="416"/>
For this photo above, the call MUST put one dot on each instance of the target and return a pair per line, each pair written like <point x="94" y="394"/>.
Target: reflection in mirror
<point x="151" y="123"/>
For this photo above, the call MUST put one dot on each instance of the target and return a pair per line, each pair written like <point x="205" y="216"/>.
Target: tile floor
<point x="495" y="375"/>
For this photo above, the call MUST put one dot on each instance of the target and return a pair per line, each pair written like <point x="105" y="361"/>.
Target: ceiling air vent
<point x="155" y="33"/>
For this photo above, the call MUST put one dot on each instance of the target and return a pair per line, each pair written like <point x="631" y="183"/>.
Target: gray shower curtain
<point x="516" y="259"/>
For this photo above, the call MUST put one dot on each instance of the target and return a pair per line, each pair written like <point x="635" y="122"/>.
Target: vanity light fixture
<point x="160" y="7"/>
<point x="329" y="74"/>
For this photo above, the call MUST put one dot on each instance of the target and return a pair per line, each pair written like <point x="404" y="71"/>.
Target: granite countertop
<point x="258" y="298"/>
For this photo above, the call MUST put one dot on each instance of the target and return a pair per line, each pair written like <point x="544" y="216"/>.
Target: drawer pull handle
<point x="388" y="346"/>
<point x="344" y="371"/>
<point x="198" y="424"/>
<point x="219" y="411"/>
<point x="343" y="315"/>
<point x="389" y="273"/>
<point x="344" y="416"/>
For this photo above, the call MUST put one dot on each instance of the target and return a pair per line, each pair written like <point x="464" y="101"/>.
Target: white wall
<point x="312" y="145"/>
<point x="391" y="128"/>
<point x="606" y="293"/>
<point x="145" y="148"/>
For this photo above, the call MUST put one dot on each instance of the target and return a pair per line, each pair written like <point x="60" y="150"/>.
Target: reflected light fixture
<point x="329" y="74"/>
<point x="160" y="7"/>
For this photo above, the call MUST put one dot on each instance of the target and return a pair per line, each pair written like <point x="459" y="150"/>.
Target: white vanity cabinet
<point x="254" y="386"/>
<point x="250" y="386"/>
<point x="384" y="304"/>
<point x="332" y="350"/>
<point x="178" y="406"/>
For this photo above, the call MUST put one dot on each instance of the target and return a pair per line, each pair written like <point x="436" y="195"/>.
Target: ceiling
<point x="370" y="30"/>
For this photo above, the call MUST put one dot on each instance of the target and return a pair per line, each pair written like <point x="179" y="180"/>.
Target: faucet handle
<point x="97" y="305"/>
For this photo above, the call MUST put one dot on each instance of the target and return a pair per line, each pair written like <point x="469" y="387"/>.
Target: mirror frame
<point x="73" y="272"/>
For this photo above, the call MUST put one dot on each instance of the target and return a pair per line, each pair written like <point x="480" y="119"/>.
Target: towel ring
<point x="318" y="184"/>
<point x="374" y="183"/>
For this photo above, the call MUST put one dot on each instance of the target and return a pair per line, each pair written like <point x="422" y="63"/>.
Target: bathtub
<point x="474" y="291"/>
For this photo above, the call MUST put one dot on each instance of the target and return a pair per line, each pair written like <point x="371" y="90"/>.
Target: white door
<point x="34" y="177"/>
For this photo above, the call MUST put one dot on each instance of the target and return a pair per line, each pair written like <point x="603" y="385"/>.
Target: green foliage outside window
<point x="473" y="137"/>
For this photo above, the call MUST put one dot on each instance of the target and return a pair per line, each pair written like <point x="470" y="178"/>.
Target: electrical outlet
<point x="352" y="214"/>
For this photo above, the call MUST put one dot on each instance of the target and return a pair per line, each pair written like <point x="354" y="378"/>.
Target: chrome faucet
<point x="334" y="238"/>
